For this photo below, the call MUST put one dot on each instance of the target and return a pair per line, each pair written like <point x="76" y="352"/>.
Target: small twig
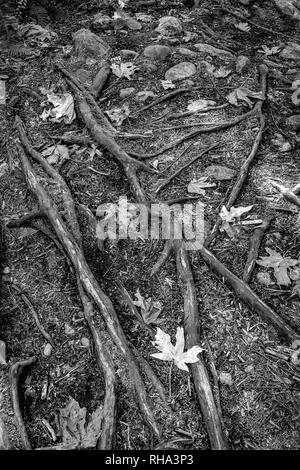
<point x="14" y="376"/>
<point x="34" y="314"/>
<point x="287" y="194"/>
<point x="199" y="111"/>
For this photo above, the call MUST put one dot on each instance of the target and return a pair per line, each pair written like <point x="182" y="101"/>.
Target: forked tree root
<point x="255" y="242"/>
<point x="89" y="284"/>
<point x="14" y="375"/>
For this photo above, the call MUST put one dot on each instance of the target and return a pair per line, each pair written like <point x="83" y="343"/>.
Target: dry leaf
<point x="198" y="186"/>
<point x="243" y="94"/>
<point x="229" y="216"/>
<point x="145" y="95"/>
<point x="56" y="154"/>
<point x="279" y="264"/>
<point x="222" y="72"/>
<point x="269" y="50"/>
<point x="63" y="108"/>
<point x="245" y="27"/>
<point x="150" y="310"/>
<point x="77" y="433"/>
<point x="118" y="115"/>
<point x="199" y="105"/>
<point x="168" y="352"/>
<point x="123" y="69"/>
<point x="167" y="84"/>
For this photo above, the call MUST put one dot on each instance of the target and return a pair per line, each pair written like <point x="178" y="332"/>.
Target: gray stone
<point x="186" y="52"/>
<point x="242" y="62"/>
<point x="131" y="23"/>
<point x="128" y="53"/>
<point x="124" y="92"/>
<point x="214" y="51"/>
<point x="149" y="67"/>
<point x="293" y="122"/>
<point x="169" y="24"/>
<point x="291" y="51"/>
<point x="180" y="71"/>
<point x="157" y="52"/>
<point x="89" y="44"/>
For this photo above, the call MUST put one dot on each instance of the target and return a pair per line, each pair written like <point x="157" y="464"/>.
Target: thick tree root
<point x="89" y="284"/>
<point x="14" y="375"/>
<point x="244" y="292"/>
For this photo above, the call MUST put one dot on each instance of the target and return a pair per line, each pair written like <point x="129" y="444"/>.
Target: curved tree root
<point x="192" y="334"/>
<point x="246" y="294"/>
<point x="255" y="242"/>
<point x="14" y="375"/>
<point x="89" y="284"/>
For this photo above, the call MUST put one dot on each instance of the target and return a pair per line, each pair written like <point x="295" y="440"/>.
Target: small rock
<point x="214" y="51"/>
<point x="173" y="41"/>
<point x="89" y="44"/>
<point x="291" y="51"/>
<point x="219" y="172"/>
<point x="264" y="278"/>
<point x="6" y="270"/>
<point x="47" y="350"/>
<point x="169" y="25"/>
<point x="226" y="379"/>
<point x="249" y="369"/>
<point x="242" y="62"/>
<point x="124" y="92"/>
<point x="129" y="22"/>
<point x="128" y="54"/>
<point x="180" y="71"/>
<point x="100" y="22"/>
<point x="157" y="52"/>
<point x="149" y="67"/>
<point x="262" y="13"/>
<point x="188" y="83"/>
<point x="293" y="122"/>
<point x="69" y="330"/>
<point x="186" y="52"/>
<point x="290" y="8"/>
<point x="85" y="342"/>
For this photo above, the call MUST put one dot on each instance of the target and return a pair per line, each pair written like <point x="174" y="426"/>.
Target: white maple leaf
<point x="176" y="353"/>
<point x="199" y="105"/>
<point x="123" y="69"/>
<point x="229" y="216"/>
<point x="245" y="27"/>
<point x="63" y="108"/>
<point x="280" y="265"/>
<point x="166" y="84"/>
<point x="269" y="50"/>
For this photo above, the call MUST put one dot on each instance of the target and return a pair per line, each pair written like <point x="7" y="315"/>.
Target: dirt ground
<point x="258" y="381"/>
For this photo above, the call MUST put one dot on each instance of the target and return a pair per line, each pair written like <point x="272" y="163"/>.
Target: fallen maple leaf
<point x="198" y="186"/>
<point x="279" y="264"/>
<point x="245" y="27"/>
<point x="269" y="50"/>
<point x="145" y="95"/>
<point x="243" y="94"/>
<point x="63" y="108"/>
<point x="56" y="153"/>
<point x="229" y="216"/>
<point x="175" y="353"/>
<point x="123" y="69"/>
<point x="166" y="84"/>
<point x="118" y="115"/>
<point x="150" y="310"/>
<point x="77" y="431"/>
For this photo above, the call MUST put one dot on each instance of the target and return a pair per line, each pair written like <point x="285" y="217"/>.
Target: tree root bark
<point x="255" y="242"/>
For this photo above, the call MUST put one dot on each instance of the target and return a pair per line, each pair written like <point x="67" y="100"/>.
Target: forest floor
<point x="257" y="379"/>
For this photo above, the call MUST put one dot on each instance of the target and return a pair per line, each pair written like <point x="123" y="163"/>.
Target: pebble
<point x="169" y="24"/>
<point x="124" y="92"/>
<point x="180" y="71"/>
<point x="291" y="51"/>
<point x="157" y="52"/>
<point x="242" y="62"/>
<point x="214" y="51"/>
<point x="293" y="122"/>
<point x="89" y="44"/>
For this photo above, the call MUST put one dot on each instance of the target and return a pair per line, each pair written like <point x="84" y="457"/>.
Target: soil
<point x="258" y="381"/>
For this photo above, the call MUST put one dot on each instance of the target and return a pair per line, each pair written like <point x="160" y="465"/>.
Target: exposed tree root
<point x="192" y="335"/>
<point x="244" y="170"/>
<point x="206" y="130"/>
<point x="25" y="219"/>
<point x="287" y="194"/>
<point x="244" y="292"/>
<point x="165" y="182"/>
<point x="100" y="80"/>
<point x="190" y="113"/>
<point x="255" y="242"/>
<point x="14" y="375"/>
<point x="89" y="284"/>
